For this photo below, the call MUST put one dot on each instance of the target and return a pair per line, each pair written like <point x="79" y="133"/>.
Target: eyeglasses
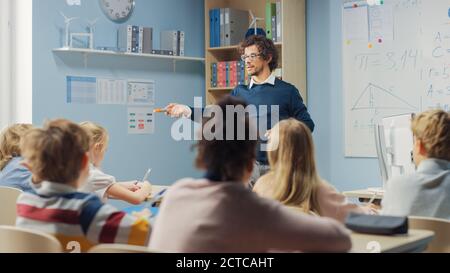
<point x="252" y="57"/>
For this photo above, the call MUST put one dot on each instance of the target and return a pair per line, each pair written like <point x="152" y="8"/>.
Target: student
<point x="58" y="157"/>
<point x="427" y="192"/>
<point x="294" y="180"/>
<point x="12" y="173"/>
<point x="219" y="213"/>
<point x="105" y="185"/>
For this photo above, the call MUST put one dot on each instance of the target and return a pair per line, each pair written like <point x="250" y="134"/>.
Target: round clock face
<point x="117" y="10"/>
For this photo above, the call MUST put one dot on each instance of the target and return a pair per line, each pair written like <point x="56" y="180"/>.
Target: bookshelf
<point x="292" y="49"/>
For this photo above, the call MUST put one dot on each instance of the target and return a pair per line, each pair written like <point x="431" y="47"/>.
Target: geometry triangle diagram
<point x="375" y="97"/>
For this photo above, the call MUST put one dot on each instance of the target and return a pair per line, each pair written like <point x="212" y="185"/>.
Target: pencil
<point x="159" y="110"/>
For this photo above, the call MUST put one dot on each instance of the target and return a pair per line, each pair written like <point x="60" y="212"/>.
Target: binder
<point x="147" y="44"/>
<point x="271" y="12"/>
<point x="268" y="19"/>
<point x="135" y="40"/>
<point x="236" y="26"/>
<point x="279" y="21"/>
<point x="226" y="27"/>
<point x="181" y="36"/>
<point x="222" y="27"/>
<point x="169" y="41"/>
<point x="141" y="40"/>
<point x="274" y="29"/>
<point x="124" y="38"/>
<point x="211" y="28"/>
<point x="217" y="27"/>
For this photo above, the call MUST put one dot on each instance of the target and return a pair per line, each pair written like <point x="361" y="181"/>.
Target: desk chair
<point x="441" y="228"/>
<point x="118" y="248"/>
<point x="18" y="240"/>
<point x="8" y="210"/>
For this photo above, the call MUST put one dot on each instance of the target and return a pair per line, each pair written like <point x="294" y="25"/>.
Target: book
<point x="214" y="75"/>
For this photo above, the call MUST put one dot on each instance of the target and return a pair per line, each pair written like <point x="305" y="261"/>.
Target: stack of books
<point x="228" y="74"/>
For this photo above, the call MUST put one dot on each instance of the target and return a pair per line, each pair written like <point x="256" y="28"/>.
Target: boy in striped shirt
<point x="57" y="155"/>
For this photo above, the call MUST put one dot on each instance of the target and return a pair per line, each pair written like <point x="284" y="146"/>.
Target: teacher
<point x="261" y="59"/>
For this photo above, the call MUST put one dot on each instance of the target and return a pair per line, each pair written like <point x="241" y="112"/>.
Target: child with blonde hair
<point x="425" y="193"/>
<point x="105" y="185"/>
<point x="294" y="180"/>
<point x="57" y="156"/>
<point x="12" y="173"/>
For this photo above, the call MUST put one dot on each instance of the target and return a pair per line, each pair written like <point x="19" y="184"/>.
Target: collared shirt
<point x="16" y="176"/>
<point x="425" y="193"/>
<point x="270" y="80"/>
<point x="72" y="216"/>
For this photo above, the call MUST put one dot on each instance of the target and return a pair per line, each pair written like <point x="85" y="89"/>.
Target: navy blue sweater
<point x="282" y="94"/>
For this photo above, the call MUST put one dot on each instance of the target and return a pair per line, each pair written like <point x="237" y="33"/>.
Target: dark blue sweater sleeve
<point x="299" y="110"/>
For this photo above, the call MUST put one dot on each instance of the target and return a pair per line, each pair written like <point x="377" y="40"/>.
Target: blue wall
<point x="325" y="94"/>
<point x="128" y="156"/>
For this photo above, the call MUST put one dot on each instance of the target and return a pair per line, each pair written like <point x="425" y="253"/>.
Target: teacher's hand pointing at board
<point x="175" y="110"/>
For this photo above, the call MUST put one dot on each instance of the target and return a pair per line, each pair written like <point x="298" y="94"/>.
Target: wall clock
<point x="117" y="11"/>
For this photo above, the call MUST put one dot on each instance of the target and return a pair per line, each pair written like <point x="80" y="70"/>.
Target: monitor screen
<point x="394" y="140"/>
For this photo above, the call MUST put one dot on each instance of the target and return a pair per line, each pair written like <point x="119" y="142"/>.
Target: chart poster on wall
<point x="141" y="92"/>
<point x="81" y="90"/>
<point x="140" y="121"/>
<point x="402" y="67"/>
<point x="110" y="91"/>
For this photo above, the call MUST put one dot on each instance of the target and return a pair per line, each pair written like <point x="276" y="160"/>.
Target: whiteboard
<point x="396" y="60"/>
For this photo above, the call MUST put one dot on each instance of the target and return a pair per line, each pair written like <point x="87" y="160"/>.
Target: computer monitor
<point x="394" y="142"/>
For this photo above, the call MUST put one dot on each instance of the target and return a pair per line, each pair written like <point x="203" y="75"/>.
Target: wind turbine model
<point x="91" y="25"/>
<point x="254" y="22"/>
<point x="67" y="21"/>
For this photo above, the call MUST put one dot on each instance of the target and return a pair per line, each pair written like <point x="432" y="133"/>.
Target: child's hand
<point x="146" y="188"/>
<point x="132" y="185"/>
<point x="146" y="213"/>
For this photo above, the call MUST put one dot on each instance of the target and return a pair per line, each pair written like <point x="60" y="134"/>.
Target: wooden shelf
<point x="232" y="48"/>
<point x="123" y="54"/>
<point x="216" y="89"/>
